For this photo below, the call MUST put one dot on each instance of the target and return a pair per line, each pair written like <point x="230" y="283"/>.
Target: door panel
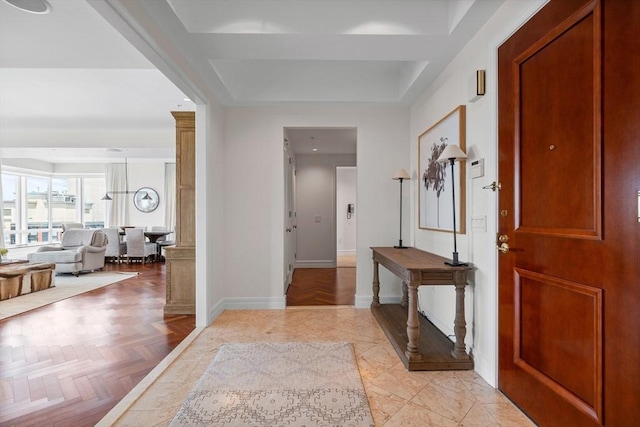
<point x="554" y="355"/>
<point x="569" y="288"/>
<point x="564" y="62"/>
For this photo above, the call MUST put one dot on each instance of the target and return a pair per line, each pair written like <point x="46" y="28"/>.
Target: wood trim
<point x="594" y="411"/>
<point x="595" y="233"/>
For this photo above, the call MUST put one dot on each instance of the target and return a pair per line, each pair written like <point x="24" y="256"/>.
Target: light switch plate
<point x="479" y="223"/>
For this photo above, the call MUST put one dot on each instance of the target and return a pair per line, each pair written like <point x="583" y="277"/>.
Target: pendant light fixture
<point x="39" y="7"/>
<point x="126" y="186"/>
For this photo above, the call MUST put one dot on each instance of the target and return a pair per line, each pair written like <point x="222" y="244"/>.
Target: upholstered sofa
<point x="81" y="249"/>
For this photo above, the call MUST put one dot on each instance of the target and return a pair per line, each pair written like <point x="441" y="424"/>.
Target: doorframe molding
<point x="483" y="365"/>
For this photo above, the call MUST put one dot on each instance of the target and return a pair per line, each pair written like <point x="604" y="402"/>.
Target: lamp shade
<point x="401" y="174"/>
<point x="452" y="151"/>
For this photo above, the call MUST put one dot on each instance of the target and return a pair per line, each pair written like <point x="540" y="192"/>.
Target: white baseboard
<point x="254" y="303"/>
<point x="312" y="263"/>
<point x="216" y="311"/>
<point x="485" y="369"/>
<point x="347" y="252"/>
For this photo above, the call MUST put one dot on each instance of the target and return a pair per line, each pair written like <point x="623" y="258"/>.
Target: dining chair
<point x="137" y="247"/>
<point x="116" y="248"/>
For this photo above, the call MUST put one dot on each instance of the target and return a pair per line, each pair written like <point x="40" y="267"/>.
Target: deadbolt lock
<point x="502" y="238"/>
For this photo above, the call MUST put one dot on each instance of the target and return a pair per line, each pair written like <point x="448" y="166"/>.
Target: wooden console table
<point x="420" y="345"/>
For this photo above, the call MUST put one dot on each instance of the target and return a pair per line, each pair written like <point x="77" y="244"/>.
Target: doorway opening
<point x="346" y="216"/>
<point x="319" y="214"/>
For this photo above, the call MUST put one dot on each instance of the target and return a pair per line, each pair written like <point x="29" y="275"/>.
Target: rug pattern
<point x="279" y="384"/>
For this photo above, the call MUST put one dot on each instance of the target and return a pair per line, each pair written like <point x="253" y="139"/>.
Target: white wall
<point x="346" y="193"/>
<point x="316" y="200"/>
<point x="146" y="175"/>
<point x="211" y="235"/>
<point x="477" y="246"/>
<point x="254" y="194"/>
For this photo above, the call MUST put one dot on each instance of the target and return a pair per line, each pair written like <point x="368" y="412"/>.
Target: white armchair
<point x="81" y="249"/>
<point x="69" y="225"/>
<point x="137" y="247"/>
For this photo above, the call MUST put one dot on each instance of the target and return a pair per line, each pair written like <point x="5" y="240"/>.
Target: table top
<point x="156" y="233"/>
<point x="415" y="259"/>
<point x="4" y="262"/>
<point x="150" y="233"/>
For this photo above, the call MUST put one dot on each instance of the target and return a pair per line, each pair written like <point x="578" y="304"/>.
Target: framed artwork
<point x="434" y="197"/>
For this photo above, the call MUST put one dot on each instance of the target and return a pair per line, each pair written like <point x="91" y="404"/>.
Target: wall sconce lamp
<point x="450" y="154"/>
<point x="401" y="175"/>
<point x="477" y="85"/>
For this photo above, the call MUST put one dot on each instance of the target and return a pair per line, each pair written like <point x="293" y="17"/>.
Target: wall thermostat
<point x="477" y="168"/>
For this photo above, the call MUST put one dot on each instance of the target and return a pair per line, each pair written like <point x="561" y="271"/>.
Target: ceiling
<point x="70" y="69"/>
<point x="322" y="140"/>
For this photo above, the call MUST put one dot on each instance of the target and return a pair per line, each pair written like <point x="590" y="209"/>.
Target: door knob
<point x="503" y="247"/>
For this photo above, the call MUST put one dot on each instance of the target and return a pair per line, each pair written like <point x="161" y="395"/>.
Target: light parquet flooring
<point x="397" y="397"/>
<point x="69" y="363"/>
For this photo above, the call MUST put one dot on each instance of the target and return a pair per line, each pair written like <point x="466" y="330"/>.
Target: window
<point x="34" y="207"/>
<point x="37" y="209"/>
<point x="10" y="209"/>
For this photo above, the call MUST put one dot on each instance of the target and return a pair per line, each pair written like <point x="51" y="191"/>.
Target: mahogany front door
<point x="569" y="165"/>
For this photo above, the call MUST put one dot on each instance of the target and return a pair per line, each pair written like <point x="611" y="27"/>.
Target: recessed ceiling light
<point x="315" y="149"/>
<point x="187" y="99"/>
<point x="39" y="7"/>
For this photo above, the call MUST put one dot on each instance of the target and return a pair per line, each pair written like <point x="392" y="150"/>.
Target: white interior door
<point x="289" y="215"/>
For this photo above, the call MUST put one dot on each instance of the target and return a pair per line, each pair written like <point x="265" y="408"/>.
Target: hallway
<point x="322" y="286"/>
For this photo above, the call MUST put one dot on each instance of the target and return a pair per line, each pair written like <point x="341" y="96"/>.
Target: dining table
<point x="153" y="237"/>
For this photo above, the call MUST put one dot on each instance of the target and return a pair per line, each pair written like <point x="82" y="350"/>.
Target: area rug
<point x="65" y="286"/>
<point x="278" y="384"/>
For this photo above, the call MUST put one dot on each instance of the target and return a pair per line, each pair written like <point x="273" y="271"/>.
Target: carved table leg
<point x="405" y="295"/>
<point x="376" y="285"/>
<point x="413" y="326"/>
<point x="460" y="324"/>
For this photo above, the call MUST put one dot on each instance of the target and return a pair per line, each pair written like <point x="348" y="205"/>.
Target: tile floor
<point x="397" y="397"/>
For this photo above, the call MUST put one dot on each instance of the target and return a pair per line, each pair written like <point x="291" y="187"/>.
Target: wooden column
<point x="181" y="259"/>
